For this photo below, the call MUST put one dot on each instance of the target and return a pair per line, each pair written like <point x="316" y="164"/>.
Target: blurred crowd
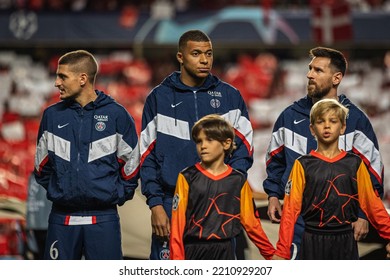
<point x="27" y="86"/>
<point x="267" y="83"/>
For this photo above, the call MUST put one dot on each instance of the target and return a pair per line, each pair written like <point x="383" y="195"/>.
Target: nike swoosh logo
<point x="61" y="126"/>
<point x="297" y="122"/>
<point x="177" y="104"/>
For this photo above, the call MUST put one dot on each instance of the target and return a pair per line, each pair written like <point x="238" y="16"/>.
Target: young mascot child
<point x="327" y="187"/>
<point x="212" y="200"/>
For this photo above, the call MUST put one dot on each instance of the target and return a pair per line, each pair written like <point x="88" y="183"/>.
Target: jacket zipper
<point x="196" y="105"/>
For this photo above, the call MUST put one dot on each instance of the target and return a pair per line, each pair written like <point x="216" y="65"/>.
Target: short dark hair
<point x="81" y="61"/>
<point x="337" y="59"/>
<point x="192" y="35"/>
<point x="215" y="127"/>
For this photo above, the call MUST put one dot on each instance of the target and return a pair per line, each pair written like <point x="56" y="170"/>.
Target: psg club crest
<point x="100" y="126"/>
<point x="215" y="103"/>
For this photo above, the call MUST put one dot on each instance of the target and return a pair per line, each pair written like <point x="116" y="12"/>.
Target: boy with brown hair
<point x="212" y="200"/>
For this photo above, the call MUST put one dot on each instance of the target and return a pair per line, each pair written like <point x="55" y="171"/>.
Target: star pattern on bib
<point x="336" y="211"/>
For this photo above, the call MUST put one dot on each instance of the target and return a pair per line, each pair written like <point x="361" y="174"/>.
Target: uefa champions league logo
<point x="23" y="24"/>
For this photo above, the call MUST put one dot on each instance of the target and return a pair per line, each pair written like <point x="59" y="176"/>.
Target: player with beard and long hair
<point x="291" y="138"/>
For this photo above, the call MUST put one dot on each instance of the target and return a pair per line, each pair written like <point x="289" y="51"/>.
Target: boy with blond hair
<point x="327" y="187"/>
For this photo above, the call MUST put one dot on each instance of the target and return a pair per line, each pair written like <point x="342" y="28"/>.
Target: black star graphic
<point x="334" y="211"/>
<point x="214" y="204"/>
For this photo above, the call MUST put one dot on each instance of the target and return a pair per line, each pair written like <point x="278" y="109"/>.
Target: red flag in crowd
<point x="331" y="21"/>
<point x="266" y="6"/>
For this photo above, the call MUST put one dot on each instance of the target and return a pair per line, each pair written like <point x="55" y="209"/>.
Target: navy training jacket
<point x="87" y="157"/>
<point x="171" y="109"/>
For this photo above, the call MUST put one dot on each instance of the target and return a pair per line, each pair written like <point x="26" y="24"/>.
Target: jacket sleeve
<point x="276" y="161"/>
<point x="150" y="186"/>
<point x="291" y="210"/>
<point x="242" y="157"/>
<point x="42" y="166"/>
<point x="178" y="220"/>
<point x="252" y="225"/>
<point x="128" y="154"/>
<point x="371" y="204"/>
<point x="365" y="145"/>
